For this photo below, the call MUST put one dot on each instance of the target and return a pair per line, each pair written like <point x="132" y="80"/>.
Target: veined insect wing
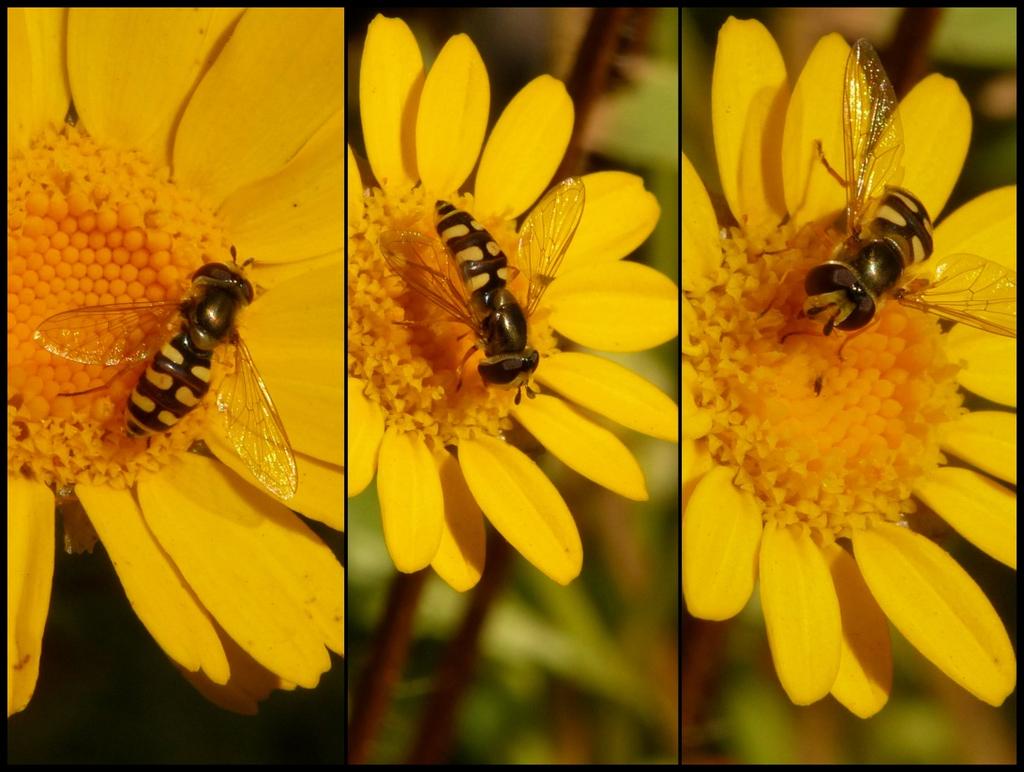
<point x="872" y="134"/>
<point x="425" y="267"/>
<point x="108" y="334"/>
<point x="546" y="235"/>
<point x="966" y="288"/>
<point x="254" y="427"/>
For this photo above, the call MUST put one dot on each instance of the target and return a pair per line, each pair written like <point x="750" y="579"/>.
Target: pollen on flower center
<point x="820" y="436"/>
<point x="404" y="348"/>
<point x="88" y="226"/>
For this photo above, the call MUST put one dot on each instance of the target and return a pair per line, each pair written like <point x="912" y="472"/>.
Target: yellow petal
<point x="721" y="532"/>
<point x="354" y="193"/>
<point x="154" y="55"/>
<point x="269" y="275"/>
<point x="618" y="216"/>
<point x="982" y="511"/>
<point x="37" y="86"/>
<point x="321" y="493"/>
<point x="749" y="92"/>
<point x="270" y="582"/>
<point x="160" y="597"/>
<point x="250" y="682"/>
<point x="276" y="81"/>
<point x="321" y="485"/>
<point x="702" y="254"/>
<point x="30" y="543"/>
<point x="688" y="346"/>
<point x="985" y="438"/>
<point x="865" y="662"/>
<point x="990" y="363"/>
<point x="524" y="149"/>
<point x="452" y="116"/>
<point x="305" y="380"/>
<point x="390" y="82"/>
<point x="815" y="113"/>
<point x="460" y="558"/>
<point x="523" y="505"/>
<point x="986" y="226"/>
<point x="411" y="502"/>
<point x="294" y="214"/>
<point x="696" y="462"/>
<point x="938" y="608"/>
<point x="646" y="305"/>
<point x="591" y="450"/>
<point x="365" y="431"/>
<point x="612" y="391"/>
<point x="936" y="132"/>
<point x="801" y="613"/>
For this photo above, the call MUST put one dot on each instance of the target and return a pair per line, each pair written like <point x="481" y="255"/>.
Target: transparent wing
<point x="969" y="289"/>
<point x="425" y="267"/>
<point x="254" y="428"/>
<point x="872" y="136"/>
<point x="108" y="334"/>
<point x="546" y="235"/>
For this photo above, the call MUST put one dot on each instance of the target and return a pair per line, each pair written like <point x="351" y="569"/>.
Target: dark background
<point x="108" y="694"/>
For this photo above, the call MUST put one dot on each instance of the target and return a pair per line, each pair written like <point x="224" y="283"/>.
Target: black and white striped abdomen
<point x="482" y="264"/>
<point x="177" y="377"/>
<point x="901" y="218"/>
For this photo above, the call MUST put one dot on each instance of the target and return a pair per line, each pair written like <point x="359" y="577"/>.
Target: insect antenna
<point x="234" y="258"/>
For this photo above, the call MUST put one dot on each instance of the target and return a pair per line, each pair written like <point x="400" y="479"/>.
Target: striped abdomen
<point x="482" y="264"/>
<point x="175" y="380"/>
<point x="899" y="217"/>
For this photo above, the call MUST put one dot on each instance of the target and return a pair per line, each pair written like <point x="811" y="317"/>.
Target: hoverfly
<point x="465" y="275"/>
<point x="889" y="233"/>
<point x="178" y="374"/>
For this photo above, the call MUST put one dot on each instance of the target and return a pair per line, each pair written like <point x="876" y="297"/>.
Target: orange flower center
<point x="88" y="226"/>
<point x="823" y="430"/>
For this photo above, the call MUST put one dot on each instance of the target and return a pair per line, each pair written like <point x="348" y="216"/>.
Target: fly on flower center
<point x="884" y="250"/>
<point x="465" y="272"/>
<point x="803" y="426"/>
<point x="179" y="365"/>
<point x="115" y="321"/>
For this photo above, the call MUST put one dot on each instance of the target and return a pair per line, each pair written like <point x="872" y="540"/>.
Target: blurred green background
<point x="588" y="672"/>
<point x="734" y="709"/>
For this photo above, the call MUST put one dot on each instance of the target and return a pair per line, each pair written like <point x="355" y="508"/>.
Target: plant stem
<point x="387" y="656"/>
<point x="455" y="672"/>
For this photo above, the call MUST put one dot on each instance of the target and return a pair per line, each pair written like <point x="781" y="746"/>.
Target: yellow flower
<point x="193" y="130"/>
<point x="813" y="471"/>
<point x="440" y="451"/>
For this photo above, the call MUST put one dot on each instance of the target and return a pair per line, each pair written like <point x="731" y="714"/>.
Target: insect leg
<point x="821" y="157"/>
<point x="458" y="371"/>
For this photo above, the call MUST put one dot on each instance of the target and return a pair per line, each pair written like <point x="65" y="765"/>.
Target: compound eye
<point x="863" y="313"/>
<point x="828" y="277"/>
<point x="246" y="289"/>
<point x="215" y="271"/>
<point x="500" y="373"/>
<point x="509" y="369"/>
